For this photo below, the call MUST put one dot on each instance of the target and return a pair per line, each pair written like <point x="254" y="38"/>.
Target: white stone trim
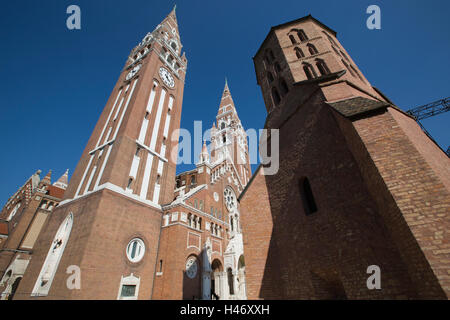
<point x="131" y="280"/>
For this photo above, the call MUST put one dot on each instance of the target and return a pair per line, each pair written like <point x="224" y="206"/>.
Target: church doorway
<point x="216" y="284"/>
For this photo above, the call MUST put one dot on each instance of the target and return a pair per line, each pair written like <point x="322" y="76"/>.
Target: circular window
<point x="191" y="267"/>
<point x="135" y="250"/>
<point x="230" y="199"/>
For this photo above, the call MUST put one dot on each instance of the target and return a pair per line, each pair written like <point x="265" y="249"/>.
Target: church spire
<point x="63" y="181"/>
<point x="47" y="179"/>
<point x="227" y="101"/>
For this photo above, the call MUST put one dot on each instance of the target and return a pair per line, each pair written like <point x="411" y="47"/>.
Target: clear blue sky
<point x="54" y="82"/>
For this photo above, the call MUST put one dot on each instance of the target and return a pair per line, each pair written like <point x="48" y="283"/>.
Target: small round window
<point x="135" y="250"/>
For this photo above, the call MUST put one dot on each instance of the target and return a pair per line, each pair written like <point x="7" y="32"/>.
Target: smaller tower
<point x="204" y="155"/>
<point x="63" y="180"/>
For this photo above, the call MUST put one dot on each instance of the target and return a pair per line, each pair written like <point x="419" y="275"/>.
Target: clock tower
<point x="109" y="223"/>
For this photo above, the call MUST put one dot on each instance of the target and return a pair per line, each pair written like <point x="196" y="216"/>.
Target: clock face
<point x="133" y="72"/>
<point x="191" y="268"/>
<point x="166" y="77"/>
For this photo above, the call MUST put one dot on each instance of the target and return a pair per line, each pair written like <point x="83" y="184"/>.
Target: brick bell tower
<point x="109" y="223"/>
<point x="359" y="183"/>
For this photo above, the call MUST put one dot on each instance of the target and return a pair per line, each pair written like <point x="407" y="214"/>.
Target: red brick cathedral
<point x="359" y="184"/>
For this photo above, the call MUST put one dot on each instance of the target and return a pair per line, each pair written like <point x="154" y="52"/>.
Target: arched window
<point x="302" y="35"/>
<point x="196" y="204"/>
<point x="269" y="56"/>
<point x="14" y="288"/>
<point x="309" y="203"/>
<point x="309" y="71"/>
<point x="330" y="38"/>
<point x="322" y="66"/>
<point x="53" y="258"/>
<point x="277" y="67"/>
<point x="170" y="59"/>
<point x="174" y="46"/>
<point x="14" y="211"/>
<point x="269" y="76"/>
<point x="299" y="53"/>
<point x="292" y="38"/>
<point x="222" y="125"/>
<point x="312" y="49"/>
<point x="275" y="96"/>
<point x="283" y="86"/>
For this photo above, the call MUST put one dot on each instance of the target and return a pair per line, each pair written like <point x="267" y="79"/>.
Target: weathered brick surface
<point x="379" y="183"/>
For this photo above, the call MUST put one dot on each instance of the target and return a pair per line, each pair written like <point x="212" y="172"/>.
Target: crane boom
<point x="430" y="109"/>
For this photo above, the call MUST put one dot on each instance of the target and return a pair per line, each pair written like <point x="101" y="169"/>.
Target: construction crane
<point x="430" y="110"/>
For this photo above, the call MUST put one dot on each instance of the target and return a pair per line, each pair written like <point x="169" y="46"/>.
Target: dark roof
<point x="357" y="106"/>
<point x="310" y="17"/>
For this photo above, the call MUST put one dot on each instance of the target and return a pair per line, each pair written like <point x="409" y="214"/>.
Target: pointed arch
<point x="275" y="96"/>
<point x="322" y="66"/>
<point x="292" y="38"/>
<point x="312" y="49"/>
<point x="48" y="271"/>
<point x="299" y="53"/>
<point x="309" y="71"/>
<point x="302" y="35"/>
<point x="284" y="87"/>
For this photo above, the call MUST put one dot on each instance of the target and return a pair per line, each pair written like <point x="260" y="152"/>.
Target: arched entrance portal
<point x="216" y="280"/>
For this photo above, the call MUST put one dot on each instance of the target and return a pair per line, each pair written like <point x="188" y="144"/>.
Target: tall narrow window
<point x="292" y="39"/>
<point x="309" y="71"/>
<point x="284" y="87"/>
<point x="48" y="271"/>
<point x="299" y="53"/>
<point x="275" y="96"/>
<point x="277" y="67"/>
<point x="302" y="35"/>
<point x="309" y="203"/>
<point x="130" y="181"/>
<point x="312" y="49"/>
<point x="322" y="66"/>
<point x="269" y="77"/>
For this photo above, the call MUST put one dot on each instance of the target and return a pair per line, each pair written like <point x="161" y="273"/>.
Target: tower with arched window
<point x="346" y="195"/>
